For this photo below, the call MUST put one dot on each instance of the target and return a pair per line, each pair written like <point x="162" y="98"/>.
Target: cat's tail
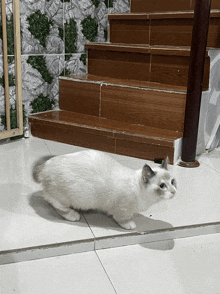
<point x="38" y="167"/>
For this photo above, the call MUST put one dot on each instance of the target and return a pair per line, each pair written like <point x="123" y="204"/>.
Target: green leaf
<point x="42" y="103"/>
<point x="39" y="26"/>
<point x="90" y="28"/>
<point x="39" y="63"/>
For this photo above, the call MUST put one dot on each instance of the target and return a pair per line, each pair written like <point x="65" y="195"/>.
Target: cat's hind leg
<point x="65" y="211"/>
<point x="68" y="213"/>
<point x="128" y="225"/>
<point x="124" y="221"/>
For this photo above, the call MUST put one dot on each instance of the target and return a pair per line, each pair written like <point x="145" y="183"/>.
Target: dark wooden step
<point x="105" y="134"/>
<point x="143" y="103"/>
<point x="167" y="29"/>
<point x="158" y="64"/>
<point x="166" y="5"/>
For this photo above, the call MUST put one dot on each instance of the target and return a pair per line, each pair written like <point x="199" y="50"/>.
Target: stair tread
<point x="125" y="82"/>
<point x="146" y="49"/>
<point x="164" y="6"/>
<point x="99" y="123"/>
<point x="159" y="15"/>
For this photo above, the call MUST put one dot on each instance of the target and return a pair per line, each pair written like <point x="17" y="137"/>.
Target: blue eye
<point x="162" y="186"/>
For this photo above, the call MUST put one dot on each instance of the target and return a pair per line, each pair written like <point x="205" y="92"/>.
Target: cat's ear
<point x="165" y="163"/>
<point x="147" y="173"/>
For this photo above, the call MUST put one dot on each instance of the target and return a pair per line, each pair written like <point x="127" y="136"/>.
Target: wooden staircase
<point x="132" y="101"/>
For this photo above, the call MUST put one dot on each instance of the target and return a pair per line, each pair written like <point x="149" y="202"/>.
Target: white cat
<point x="93" y="180"/>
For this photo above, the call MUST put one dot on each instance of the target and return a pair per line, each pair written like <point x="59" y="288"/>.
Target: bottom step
<point x="106" y="135"/>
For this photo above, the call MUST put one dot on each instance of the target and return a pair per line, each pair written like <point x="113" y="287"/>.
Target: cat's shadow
<point x="144" y="224"/>
<point x="97" y="219"/>
<point x="45" y="210"/>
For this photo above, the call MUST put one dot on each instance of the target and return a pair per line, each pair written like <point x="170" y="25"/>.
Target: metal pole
<point x="195" y="81"/>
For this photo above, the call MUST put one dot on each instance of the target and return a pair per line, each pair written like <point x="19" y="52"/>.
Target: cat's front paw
<point x="69" y="214"/>
<point x="73" y="216"/>
<point x="129" y="225"/>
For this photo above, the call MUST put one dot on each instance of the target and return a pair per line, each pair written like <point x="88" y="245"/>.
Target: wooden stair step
<point x="126" y="82"/>
<point x="162" y="6"/>
<point x="159" y="64"/>
<point x="168" y="28"/>
<point x="104" y="134"/>
<point x="143" y="103"/>
<point x="142" y="49"/>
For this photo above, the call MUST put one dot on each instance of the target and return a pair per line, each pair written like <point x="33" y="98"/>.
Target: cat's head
<point x="159" y="181"/>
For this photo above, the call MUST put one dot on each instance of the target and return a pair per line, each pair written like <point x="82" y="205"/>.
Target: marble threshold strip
<point x="92" y="244"/>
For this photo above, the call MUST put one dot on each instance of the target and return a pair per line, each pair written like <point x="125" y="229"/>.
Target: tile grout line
<point x="106" y="242"/>
<point x="94" y="237"/>
<point x="47" y="147"/>
<point x="105" y="271"/>
<point x="46" y="251"/>
<point x="210" y="167"/>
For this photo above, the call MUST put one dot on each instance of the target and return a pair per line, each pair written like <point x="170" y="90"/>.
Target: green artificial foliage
<point x="90" y="28"/>
<point x="13" y="120"/>
<point x="42" y="103"/>
<point x="11" y="80"/>
<point x="39" y="63"/>
<point x="109" y="3"/>
<point x="39" y="26"/>
<point x="96" y="2"/>
<point x="83" y="58"/>
<point x="70" y="36"/>
<point x="11" y="59"/>
<point x="67" y="57"/>
<point x="106" y="35"/>
<point x="10" y="34"/>
<point x="62" y="73"/>
<point x="67" y="72"/>
<point x="60" y="33"/>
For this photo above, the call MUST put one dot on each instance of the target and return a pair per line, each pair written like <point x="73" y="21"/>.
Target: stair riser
<point x="159" y="5"/>
<point x="167" y="69"/>
<point x="150" y="108"/>
<point x="124" y="65"/>
<point x="162" y="6"/>
<point x="99" y="140"/>
<point x="179" y="32"/>
<point x="129" y="31"/>
<point x="79" y="97"/>
<point x="74" y="135"/>
<point x="168" y="32"/>
<point x="157" y="109"/>
<point x="143" y="150"/>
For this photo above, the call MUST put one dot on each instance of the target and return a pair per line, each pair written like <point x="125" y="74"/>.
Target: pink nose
<point x="172" y="194"/>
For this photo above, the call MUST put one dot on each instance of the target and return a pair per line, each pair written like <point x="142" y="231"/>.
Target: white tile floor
<point x="183" y="266"/>
<point x="31" y="229"/>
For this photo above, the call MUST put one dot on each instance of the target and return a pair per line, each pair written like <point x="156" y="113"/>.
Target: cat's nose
<point x="172" y="194"/>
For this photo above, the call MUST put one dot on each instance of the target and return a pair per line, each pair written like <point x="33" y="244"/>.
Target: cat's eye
<point x="163" y="186"/>
<point x="173" y="182"/>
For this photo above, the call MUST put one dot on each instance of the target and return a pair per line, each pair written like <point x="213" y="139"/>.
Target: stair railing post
<point x="195" y="81"/>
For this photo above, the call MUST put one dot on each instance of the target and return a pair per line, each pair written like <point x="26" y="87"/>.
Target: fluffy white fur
<point x="93" y="180"/>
